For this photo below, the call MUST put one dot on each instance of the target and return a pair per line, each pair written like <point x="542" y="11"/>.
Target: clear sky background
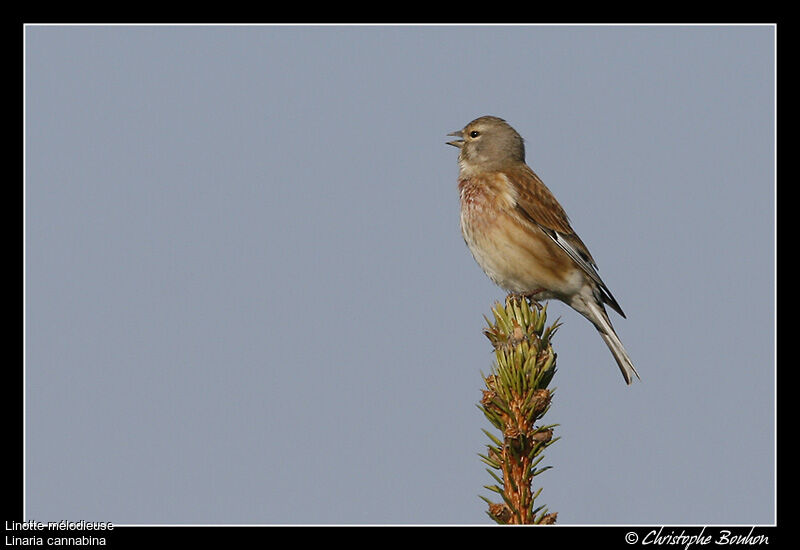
<point x="248" y="300"/>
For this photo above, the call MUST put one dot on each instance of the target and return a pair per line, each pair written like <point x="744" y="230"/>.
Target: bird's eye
<point x="474" y="133"/>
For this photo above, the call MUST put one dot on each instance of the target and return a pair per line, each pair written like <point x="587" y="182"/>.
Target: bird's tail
<point x="596" y="313"/>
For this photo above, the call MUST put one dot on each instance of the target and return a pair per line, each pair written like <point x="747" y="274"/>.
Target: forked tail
<point x="596" y="313"/>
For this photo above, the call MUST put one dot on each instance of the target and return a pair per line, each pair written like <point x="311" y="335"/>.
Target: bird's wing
<point x="537" y="205"/>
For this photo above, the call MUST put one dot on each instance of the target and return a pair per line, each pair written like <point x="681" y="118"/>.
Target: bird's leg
<point x="514" y="297"/>
<point x="530" y="296"/>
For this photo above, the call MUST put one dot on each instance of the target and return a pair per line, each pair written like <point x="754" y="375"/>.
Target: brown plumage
<point x="521" y="236"/>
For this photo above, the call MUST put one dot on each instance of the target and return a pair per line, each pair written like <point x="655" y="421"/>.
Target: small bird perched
<point x="520" y="235"/>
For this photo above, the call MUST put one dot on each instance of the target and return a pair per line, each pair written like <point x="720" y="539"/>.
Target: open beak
<point x="458" y="142"/>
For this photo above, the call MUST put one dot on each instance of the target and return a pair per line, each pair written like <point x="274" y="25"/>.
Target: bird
<point x="521" y="236"/>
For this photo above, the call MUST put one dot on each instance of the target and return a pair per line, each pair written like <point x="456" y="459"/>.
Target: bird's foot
<point x="529" y="296"/>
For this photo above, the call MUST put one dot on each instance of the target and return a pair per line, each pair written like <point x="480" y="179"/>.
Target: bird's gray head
<point x="488" y="143"/>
